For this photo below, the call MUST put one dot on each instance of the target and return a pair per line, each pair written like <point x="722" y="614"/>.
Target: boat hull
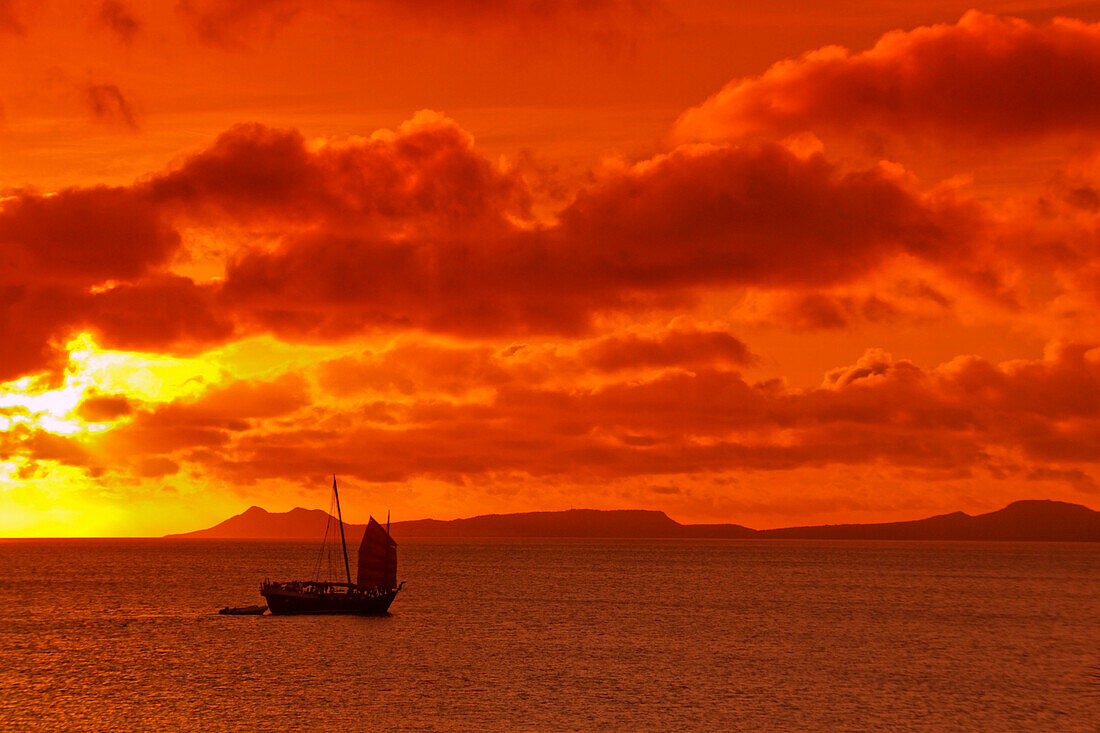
<point x="244" y="611"/>
<point x="282" y="601"/>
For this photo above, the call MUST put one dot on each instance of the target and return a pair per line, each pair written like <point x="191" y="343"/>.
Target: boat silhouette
<point x="243" y="611"/>
<point x="375" y="584"/>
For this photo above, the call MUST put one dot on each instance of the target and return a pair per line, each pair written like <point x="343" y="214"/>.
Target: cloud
<point x="44" y="446"/>
<point x="424" y="178"/>
<point x="158" y="313"/>
<point x="107" y="104"/>
<point x="675" y="348"/>
<point x="420" y="368"/>
<point x="985" y="79"/>
<point x="469" y="414"/>
<point x="32" y="445"/>
<point x="155" y="468"/>
<point x="33" y="321"/>
<point x="82" y="236"/>
<point x="208" y="422"/>
<point x="104" y="408"/>
<point x="415" y="368"/>
<point x="761" y="215"/>
<point x="965" y="416"/>
<point x="814" y="311"/>
<point x="1080" y="480"/>
<point x="54" y="250"/>
<point x="415" y="230"/>
<point x="874" y="363"/>
<point x="97" y="258"/>
<point x="230" y="23"/>
<point x="118" y="17"/>
<point x="698" y="217"/>
<point x="233" y="23"/>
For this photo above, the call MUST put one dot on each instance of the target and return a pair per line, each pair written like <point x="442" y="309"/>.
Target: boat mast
<point x="340" y="519"/>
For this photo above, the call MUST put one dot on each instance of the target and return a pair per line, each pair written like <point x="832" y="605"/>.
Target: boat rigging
<point x="375" y="584"/>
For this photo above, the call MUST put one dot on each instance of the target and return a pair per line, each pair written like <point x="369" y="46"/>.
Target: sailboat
<point x="372" y="592"/>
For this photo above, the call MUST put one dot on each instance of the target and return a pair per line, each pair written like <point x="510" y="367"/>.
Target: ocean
<point x="558" y="635"/>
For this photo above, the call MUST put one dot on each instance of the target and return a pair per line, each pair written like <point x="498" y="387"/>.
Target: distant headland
<point x="1036" y="520"/>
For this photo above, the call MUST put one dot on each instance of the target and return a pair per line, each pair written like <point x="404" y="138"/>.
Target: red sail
<point x="377" y="558"/>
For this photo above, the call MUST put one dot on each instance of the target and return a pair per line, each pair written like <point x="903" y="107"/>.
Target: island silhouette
<point x="1034" y="520"/>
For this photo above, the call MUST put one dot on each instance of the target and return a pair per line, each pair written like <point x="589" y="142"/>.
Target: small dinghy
<point x="243" y="611"/>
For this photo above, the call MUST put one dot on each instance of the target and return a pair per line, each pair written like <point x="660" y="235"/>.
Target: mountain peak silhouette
<point x="1026" y="520"/>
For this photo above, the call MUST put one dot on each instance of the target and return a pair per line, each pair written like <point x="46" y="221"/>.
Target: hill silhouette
<point x="1038" y="520"/>
<point x="257" y="523"/>
<point x="621" y="523"/>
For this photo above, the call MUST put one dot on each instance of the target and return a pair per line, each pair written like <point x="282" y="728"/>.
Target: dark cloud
<point x="118" y="17"/>
<point x="157" y="313"/>
<point x="31" y="445"/>
<point x="82" y="236"/>
<point x="96" y="258"/>
<point x="427" y="179"/>
<point x="55" y="250"/>
<point x="103" y="408"/>
<point x="418" y="368"/>
<point x="231" y="23"/>
<point x="758" y="215"/>
<point x="107" y="104"/>
<point x="1080" y="480"/>
<point x="415" y="369"/>
<point x="984" y="79"/>
<point x="814" y="311"/>
<point x="675" y="348"/>
<point x="416" y="230"/>
<point x="695" y="218"/>
<point x="33" y="324"/>
<point x="156" y="467"/>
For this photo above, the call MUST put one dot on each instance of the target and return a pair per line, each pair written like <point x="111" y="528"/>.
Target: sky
<point x="796" y="264"/>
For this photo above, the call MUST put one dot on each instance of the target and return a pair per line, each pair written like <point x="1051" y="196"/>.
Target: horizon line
<point x="176" y="535"/>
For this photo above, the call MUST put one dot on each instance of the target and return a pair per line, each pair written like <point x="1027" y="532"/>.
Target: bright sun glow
<point x="140" y="378"/>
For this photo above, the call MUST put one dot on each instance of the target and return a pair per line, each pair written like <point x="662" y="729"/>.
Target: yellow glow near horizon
<point x="30" y="507"/>
<point x="46" y="498"/>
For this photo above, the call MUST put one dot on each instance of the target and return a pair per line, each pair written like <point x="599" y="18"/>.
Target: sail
<point x="377" y="558"/>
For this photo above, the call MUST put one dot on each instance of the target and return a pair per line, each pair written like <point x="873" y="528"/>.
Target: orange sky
<point x="797" y="265"/>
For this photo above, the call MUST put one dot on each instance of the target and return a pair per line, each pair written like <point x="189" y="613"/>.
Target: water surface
<point x="559" y="635"/>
